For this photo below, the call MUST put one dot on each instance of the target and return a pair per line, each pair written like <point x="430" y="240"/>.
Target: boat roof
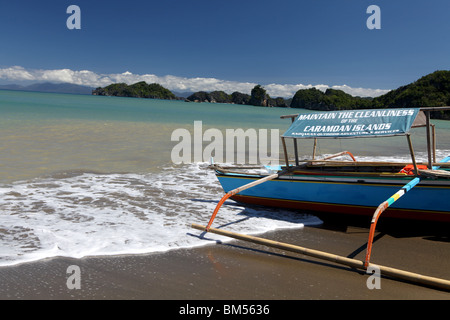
<point x="355" y="123"/>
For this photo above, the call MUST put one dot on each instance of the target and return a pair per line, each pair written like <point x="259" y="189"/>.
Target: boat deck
<point x="345" y="168"/>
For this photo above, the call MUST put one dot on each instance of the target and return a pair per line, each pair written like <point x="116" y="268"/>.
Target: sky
<point x="193" y="45"/>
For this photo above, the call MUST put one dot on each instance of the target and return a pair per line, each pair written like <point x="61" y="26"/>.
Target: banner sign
<point x="352" y="123"/>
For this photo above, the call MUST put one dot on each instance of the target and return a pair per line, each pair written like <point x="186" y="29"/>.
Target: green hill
<point x="137" y="90"/>
<point x="331" y="99"/>
<point x="432" y="90"/>
<point x="258" y="97"/>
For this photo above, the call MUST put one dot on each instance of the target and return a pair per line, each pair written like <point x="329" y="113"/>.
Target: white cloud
<point x="174" y="83"/>
<point x="16" y="73"/>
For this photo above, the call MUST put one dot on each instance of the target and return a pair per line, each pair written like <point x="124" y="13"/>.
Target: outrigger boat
<point x="348" y="187"/>
<point x="351" y="187"/>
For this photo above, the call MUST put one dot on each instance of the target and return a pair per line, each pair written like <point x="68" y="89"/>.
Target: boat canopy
<point x="355" y="123"/>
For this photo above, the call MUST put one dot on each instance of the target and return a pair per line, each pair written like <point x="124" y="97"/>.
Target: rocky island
<point x="432" y="90"/>
<point x="258" y="97"/>
<point x="137" y="90"/>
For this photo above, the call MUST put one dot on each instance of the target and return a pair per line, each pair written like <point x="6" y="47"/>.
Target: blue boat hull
<point x="429" y="200"/>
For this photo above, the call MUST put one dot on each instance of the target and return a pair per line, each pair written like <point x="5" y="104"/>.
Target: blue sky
<point x="320" y="42"/>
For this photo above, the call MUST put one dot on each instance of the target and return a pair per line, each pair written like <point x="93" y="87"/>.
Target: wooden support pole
<point x="296" y="152"/>
<point x="427" y="114"/>
<point x="295" y="146"/>
<point x="433" y="131"/>
<point x="286" y="158"/>
<point x="314" y="149"/>
<point x="413" y="157"/>
<point x="391" y="272"/>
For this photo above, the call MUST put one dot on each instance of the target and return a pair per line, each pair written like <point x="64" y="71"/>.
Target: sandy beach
<point x="81" y="212"/>
<point x="242" y="271"/>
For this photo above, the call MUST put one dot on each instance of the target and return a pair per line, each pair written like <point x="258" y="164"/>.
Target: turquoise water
<point x="21" y="105"/>
<point x="43" y="133"/>
<point x="90" y="175"/>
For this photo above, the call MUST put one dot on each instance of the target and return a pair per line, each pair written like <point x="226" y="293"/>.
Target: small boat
<point x="350" y="187"/>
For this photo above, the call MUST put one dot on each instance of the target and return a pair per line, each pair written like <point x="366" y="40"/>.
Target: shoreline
<point x="239" y="270"/>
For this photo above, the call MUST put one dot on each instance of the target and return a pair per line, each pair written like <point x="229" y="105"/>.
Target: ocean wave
<point x="78" y="214"/>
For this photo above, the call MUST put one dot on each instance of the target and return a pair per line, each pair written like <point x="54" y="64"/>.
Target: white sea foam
<point x="84" y="214"/>
<point x="79" y="214"/>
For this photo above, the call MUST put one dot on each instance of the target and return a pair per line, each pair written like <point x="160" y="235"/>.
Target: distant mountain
<point x="11" y="87"/>
<point x="183" y="94"/>
<point x="50" y="87"/>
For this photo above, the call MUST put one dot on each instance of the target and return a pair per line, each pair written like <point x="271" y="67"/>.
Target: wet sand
<point x="239" y="270"/>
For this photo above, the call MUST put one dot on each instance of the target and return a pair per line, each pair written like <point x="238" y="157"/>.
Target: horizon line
<point x="92" y="79"/>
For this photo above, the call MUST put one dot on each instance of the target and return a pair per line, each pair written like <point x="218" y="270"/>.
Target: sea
<point x="88" y="175"/>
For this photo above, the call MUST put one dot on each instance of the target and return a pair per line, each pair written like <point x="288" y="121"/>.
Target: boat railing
<point x="342" y="153"/>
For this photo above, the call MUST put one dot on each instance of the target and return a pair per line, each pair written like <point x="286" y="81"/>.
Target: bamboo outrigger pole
<point x="386" y="204"/>
<point x="237" y="190"/>
<point x="381" y="208"/>
<point x="265" y="179"/>
<point x="391" y="272"/>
